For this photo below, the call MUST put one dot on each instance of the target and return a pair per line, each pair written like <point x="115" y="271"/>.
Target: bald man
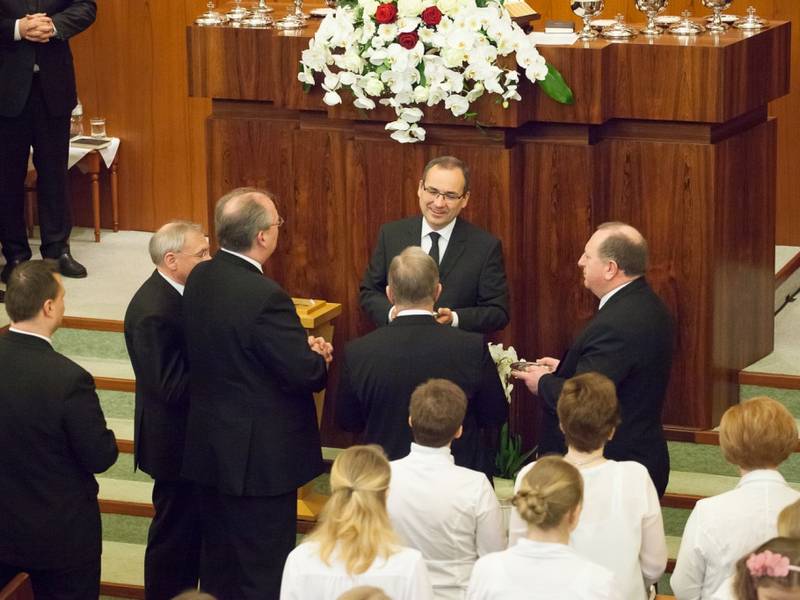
<point x="252" y="436"/>
<point x="629" y="341"/>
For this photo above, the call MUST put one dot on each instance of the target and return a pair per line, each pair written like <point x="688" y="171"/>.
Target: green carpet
<point x="98" y="344"/>
<point x="116" y="405"/>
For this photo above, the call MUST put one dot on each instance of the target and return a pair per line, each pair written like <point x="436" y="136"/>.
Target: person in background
<point x="542" y="565"/>
<point x="449" y="513"/>
<point x="756" y="436"/>
<point x="156" y="345"/>
<point x="620" y="526"/>
<point x="53" y="439"/>
<point x="353" y="543"/>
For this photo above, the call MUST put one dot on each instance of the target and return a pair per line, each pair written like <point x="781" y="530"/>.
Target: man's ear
<point x="459" y="432"/>
<point x="170" y="261"/>
<point x="611" y="270"/>
<point x="437" y="292"/>
<point x="390" y="295"/>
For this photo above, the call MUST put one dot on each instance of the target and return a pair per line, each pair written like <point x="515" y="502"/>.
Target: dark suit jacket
<point x="629" y="341"/>
<point x="471" y="272"/>
<point x="383" y="368"/>
<point x="53" y="437"/>
<point x="157" y="348"/>
<point x="252" y="423"/>
<point x="56" y="72"/>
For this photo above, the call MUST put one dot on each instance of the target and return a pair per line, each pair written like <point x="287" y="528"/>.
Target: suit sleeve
<point x="7" y="30"/>
<point x="349" y="415"/>
<point x="282" y="346"/>
<point x="94" y="444"/>
<point x="491" y="407"/>
<point x="603" y="352"/>
<point x="77" y="17"/>
<point x="491" y="310"/>
<point x="372" y="292"/>
<point x="164" y="371"/>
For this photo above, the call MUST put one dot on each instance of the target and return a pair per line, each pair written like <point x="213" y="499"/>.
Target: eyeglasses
<point x="279" y="222"/>
<point x="204" y="253"/>
<point x="434" y="193"/>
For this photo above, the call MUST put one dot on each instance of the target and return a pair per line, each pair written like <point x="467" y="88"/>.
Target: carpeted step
<point x="122" y="570"/>
<point x="91" y="344"/>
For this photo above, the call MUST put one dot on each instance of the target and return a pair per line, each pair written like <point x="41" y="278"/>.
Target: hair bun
<point x="532" y="505"/>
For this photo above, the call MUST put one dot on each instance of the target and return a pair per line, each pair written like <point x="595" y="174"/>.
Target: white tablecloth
<point x="108" y="153"/>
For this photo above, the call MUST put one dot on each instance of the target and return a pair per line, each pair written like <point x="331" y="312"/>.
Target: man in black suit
<point x="157" y="348"/>
<point x="53" y="437"/>
<point x="383" y="368"/>
<point x="252" y="436"/>
<point x="37" y="95"/>
<point x="470" y="260"/>
<point x="629" y="341"/>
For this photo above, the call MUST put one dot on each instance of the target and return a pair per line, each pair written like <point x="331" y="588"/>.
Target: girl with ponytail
<point x="353" y="543"/>
<point x="541" y="566"/>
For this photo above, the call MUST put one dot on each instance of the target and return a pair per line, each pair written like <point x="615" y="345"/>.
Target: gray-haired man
<point x="157" y="347"/>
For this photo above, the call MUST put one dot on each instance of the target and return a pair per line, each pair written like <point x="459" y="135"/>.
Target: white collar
<point x="607" y="296"/>
<point x="761" y="475"/>
<point x="243" y="257"/>
<point x="435" y="453"/>
<point x="445" y="232"/>
<point x="178" y="287"/>
<point x="30" y="333"/>
<point x="412" y="312"/>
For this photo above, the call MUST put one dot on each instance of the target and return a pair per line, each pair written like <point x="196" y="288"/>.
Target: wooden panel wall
<point x="132" y="69"/>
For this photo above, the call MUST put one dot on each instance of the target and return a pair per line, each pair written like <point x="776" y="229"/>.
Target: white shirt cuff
<point x="454" y="322"/>
<point x="17" y="36"/>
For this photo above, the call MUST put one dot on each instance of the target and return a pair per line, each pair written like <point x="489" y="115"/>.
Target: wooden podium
<point x="671" y="135"/>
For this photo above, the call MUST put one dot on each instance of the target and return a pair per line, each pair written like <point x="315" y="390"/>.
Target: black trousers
<point x="172" y="557"/>
<point x="71" y="583"/>
<point x="246" y="540"/>
<point x="49" y="136"/>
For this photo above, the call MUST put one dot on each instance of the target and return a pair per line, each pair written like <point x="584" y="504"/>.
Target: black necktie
<point x="434" y="251"/>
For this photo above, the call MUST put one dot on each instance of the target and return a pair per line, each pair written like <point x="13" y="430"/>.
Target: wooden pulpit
<point x="669" y="134"/>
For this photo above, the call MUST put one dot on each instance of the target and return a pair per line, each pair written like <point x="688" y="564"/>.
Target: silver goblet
<point x="651" y="8"/>
<point x="586" y="10"/>
<point x="716" y="25"/>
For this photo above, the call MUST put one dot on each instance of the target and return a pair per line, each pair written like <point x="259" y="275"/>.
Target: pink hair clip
<point x="769" y="564"/>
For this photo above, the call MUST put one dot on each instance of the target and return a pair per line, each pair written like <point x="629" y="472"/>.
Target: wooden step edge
<point x="684" y="501"/>
<point x="115" y="384"/>
<point x="775" y="380"/>
<point x="93" y="324"/>
<point x="122" y="590"/>
<point x="708" y="437"/>
<point x="124" y="507"/>
<point x="787" y="270"/>
<point x="125" y="446"/>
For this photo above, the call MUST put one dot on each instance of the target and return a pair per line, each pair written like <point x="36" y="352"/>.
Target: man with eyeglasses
<point x="157" y="348"/>
<point x="470" y="260"/>
<point x="252" y="437"/>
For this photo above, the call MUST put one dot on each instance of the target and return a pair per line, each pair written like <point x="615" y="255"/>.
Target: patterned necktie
<point x="434" y="251"/>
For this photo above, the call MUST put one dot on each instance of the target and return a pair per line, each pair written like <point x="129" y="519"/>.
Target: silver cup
<point x="586" y="10"/>
<point x="651" y="8"/>
<point x="716" y="25"/>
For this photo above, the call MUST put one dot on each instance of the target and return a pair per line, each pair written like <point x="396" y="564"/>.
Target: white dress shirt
<point x="247" y="258"/>
<point x="540" y="571"/>
<point x="444" y="239"/>
<point x="36" y="335"/>
<point x="723" y="528"/>
<point x="620" y="526"/>
<point x="402" y="576"/>
<point x="449" y="513"/>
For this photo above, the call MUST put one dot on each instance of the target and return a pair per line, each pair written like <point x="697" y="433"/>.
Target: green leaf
<point x="554" y="86"/>
<point x="421" y="69"/>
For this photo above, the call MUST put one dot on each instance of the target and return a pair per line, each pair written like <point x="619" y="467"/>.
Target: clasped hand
<point x="321" y="347"/>
<point x="37" y="27"/>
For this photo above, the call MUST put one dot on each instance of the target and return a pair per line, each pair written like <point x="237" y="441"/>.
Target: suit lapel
<point x="413" y="232"/>
<point x="455" y="248"/>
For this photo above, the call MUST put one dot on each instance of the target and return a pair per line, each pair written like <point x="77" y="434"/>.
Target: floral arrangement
<point x="410" y="53"/>
<point x="503" y="358"/>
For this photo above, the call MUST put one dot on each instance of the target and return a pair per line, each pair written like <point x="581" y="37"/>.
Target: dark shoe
<point x="10" y="266"/>
<point x="69" y="267"/>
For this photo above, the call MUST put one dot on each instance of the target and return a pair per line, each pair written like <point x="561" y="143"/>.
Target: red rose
<point x="408" y="40"/>
<point x="386" y="13"/>
<point x="431" y="16"/>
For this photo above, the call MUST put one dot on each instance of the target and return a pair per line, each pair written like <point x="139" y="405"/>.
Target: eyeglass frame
<point x="447" y="196"/>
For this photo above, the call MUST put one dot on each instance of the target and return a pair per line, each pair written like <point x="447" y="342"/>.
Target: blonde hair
<point x="789" y="521"/>
<point x="413" y="276"/>
<point x="746" y="585"/>
<point x="549" y="491"/>
<point x="364" y="592"/>
<point x="354" y="523"/>
<point x="758" y="433"/>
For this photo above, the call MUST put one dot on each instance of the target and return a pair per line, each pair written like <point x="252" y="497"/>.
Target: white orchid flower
<point x="458" y="105"/>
